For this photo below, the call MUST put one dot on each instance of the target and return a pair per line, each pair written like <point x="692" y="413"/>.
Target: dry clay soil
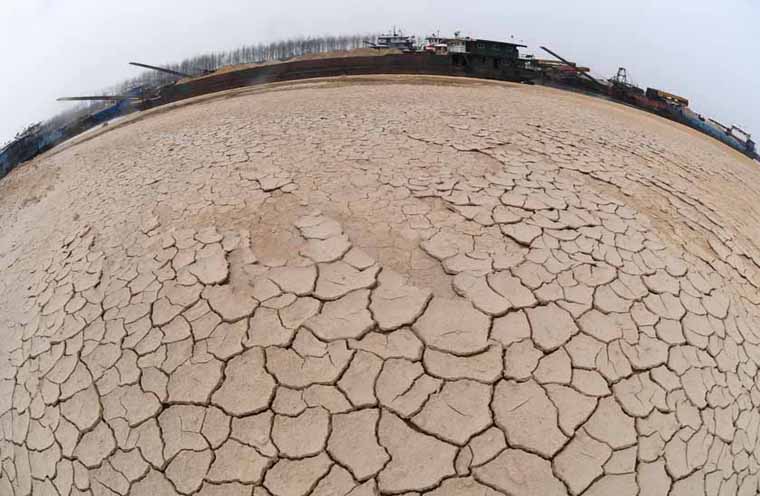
<point x="382" y="285"/>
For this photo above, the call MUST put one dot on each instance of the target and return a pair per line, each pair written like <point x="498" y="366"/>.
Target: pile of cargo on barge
<point x="453" y="56"/>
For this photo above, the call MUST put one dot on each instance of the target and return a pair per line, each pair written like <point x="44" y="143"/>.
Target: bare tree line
<point x="247" y="54"/>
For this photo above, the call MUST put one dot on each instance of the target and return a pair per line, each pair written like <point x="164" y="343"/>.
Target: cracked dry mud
<point x="382" y="286"/>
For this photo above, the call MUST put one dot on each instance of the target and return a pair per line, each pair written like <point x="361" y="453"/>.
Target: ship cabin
<point x="394" y="40"/>
<point x="472" y="52"/>
<point x="475" y="47"/>
<point x="488" y="48"/>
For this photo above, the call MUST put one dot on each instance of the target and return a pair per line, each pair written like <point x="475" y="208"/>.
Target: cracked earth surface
<point x="423" y="286"/>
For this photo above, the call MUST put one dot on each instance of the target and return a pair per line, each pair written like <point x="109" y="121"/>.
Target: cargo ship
<point x="732" y="136"/>
<point x="568" y="75"/>
<point x="676" y="108"/>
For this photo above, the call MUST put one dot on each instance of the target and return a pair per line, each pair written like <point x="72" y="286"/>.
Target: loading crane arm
<point x="161" y="69"/>
<point x="103" y="98"/>
<point x="570" y="64"/>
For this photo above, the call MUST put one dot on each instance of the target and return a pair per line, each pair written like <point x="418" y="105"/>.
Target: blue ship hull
<point x="35" y="143"/>
<point x="695" y="121"/>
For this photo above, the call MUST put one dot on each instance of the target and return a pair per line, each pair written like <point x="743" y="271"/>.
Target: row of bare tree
<point x="249" y="54"/>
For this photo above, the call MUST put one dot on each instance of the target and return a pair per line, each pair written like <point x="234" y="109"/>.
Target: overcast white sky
<point x="706" y="50"/>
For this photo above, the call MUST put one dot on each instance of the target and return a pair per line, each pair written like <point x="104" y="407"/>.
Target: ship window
<point x="481" y="45"/>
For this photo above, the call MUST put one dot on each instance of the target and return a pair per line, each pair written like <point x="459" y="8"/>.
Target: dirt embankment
<point x="357" y="52"/>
